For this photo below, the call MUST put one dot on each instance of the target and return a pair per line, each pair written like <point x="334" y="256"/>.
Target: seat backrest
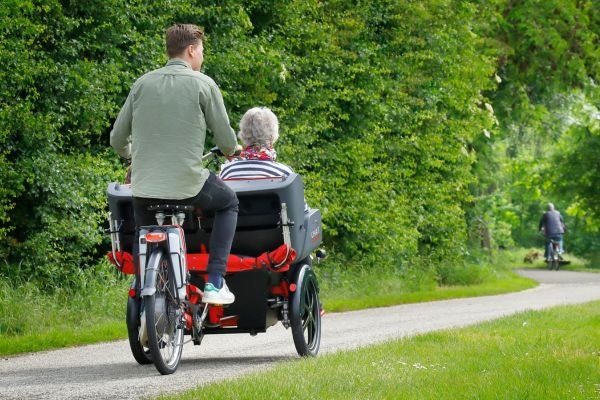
<point x="259" y="227"/>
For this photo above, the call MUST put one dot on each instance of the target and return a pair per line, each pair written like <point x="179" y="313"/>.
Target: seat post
<point x="178" y="218"/>
<point x="160" y="218"/>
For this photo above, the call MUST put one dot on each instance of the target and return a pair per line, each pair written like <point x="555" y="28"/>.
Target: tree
<point x="547" y="54"/>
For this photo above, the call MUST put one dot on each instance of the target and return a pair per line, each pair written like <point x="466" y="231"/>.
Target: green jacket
<point x="162" y="128"/>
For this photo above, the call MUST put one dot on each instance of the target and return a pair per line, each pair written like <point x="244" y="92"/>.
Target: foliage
<point x="61" y="74"/>
<point x="578" y="156"/>
<point x="378" y="106"/>
<point x="483" y="272"/>
<point x="548" y="72"/>
<point x="386" y="109"/>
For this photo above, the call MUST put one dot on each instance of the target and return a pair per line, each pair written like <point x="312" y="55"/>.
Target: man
<point x="162" y="128"/>
<point x="553" y="227"/>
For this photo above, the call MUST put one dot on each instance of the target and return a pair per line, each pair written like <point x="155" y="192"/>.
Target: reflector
<point x="154" y="237"/>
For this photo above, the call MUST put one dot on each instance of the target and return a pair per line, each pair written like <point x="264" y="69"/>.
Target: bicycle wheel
<point x="163" y="315"/>
<point x="550" y="257"/>
<point x="305" y="313"/>
<point x="139" y="346"/>
<point x="555" y="262"/>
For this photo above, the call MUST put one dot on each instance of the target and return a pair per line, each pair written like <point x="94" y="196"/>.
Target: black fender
<point x="303" y="274"/>
<point x="133" y="307"/>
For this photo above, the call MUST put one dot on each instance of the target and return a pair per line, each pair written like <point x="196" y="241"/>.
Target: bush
<point x="378" y="104"/>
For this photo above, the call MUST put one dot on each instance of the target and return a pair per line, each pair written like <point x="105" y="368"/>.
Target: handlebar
<point x="216" y="152"/>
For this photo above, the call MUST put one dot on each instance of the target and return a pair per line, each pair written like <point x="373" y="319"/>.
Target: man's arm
<point x="218" y="121"/>
<point x="562" y="223"/>
<point x="542" y="222"/>
<point x="120" y="136"/>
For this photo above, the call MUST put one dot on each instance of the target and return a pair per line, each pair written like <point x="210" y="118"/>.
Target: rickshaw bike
<point x="269" y="269"/>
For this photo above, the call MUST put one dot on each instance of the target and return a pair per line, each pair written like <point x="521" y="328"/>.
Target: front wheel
<point x="305" y="313"/>
<point x="163" y="315"/>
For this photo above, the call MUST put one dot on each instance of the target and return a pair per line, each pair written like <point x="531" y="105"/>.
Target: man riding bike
<point x="162" y="127"/>
<point x="552" y="227"/>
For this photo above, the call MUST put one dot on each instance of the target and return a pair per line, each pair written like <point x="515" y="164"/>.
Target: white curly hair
<point x="259" y="127"/>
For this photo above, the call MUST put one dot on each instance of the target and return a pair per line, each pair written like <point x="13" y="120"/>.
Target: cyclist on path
<point x="161" y="128"/>
<point x="552" y="227"/>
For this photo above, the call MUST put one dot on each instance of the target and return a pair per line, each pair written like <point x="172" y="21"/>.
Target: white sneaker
<point x="212" y="295"/>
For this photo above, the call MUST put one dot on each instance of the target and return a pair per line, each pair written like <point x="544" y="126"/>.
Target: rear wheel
<point x="555" y="257"/>
<point x="138" y="345"/>
<point x="305" y="313"/>
<point x="163" y="316"/>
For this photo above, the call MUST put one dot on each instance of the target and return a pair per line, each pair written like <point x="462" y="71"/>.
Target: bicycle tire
<point x="140" y="351"/>
<point x="163" y="315"/>
<point x="305" y="313"/>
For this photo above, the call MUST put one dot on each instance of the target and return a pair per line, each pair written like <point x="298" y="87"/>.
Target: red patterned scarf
<point x="258" y="153"/>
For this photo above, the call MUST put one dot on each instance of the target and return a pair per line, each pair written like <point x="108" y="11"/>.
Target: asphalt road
<point x="108" y="371"/>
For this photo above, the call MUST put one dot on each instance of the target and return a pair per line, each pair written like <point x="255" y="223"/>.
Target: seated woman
<point x="259" y="130"/>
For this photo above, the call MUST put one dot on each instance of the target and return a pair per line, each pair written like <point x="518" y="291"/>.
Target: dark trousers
<point x="215" y="198"/>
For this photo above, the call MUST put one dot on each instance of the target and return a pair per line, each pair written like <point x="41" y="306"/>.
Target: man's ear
<point x="190" y="50"/>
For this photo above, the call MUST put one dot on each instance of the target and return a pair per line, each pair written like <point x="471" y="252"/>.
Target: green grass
<point x="552" y="354"/>
<point x="482" y="275"/>
<point x="387" y="292"/>
<point x="32" y="319"/>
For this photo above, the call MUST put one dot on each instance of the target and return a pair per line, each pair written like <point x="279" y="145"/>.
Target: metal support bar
<point x="115" y="244"/>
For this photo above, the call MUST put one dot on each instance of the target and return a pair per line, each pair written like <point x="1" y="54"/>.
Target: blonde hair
<point x="259" y="127"/>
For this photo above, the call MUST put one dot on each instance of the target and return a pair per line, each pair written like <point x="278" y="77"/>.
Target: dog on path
<point x="531" y="256"/>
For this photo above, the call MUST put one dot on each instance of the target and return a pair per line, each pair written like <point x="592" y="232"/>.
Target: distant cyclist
<point x="552" y="227"/>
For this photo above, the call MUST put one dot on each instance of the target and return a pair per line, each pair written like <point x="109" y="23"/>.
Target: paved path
<point x="108" y="371"/>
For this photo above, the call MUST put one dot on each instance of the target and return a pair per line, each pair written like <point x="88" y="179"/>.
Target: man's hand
<point x="236" y="153"/>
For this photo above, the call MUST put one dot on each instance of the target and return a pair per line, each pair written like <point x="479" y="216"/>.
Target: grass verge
<point x="34" y="320"/>
<point x="552" y="354"/>
<point x="482" y="275"/>
<point x="347" y="299"/>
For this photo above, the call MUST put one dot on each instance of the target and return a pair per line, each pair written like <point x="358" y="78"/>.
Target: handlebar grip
<point x="215" y="150"/>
